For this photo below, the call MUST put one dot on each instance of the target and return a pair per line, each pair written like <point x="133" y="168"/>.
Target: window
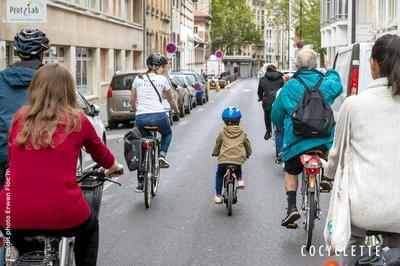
<point x="392" y="11"/>
<point x="54" y="55"/>
<point x="101" y="5"/>
<point x="88" y="3"/>
<point x="84" y="70"/>
<point x="196" y="29"/>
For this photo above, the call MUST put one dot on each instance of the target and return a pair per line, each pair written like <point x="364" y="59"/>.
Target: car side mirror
<point x="94" y="110"/>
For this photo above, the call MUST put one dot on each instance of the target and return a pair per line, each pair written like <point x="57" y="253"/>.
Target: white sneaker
<point x="240" y="184"/>
<point x="218" y="200"/>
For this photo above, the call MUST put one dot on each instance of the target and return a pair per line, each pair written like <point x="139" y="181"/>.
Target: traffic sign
<point x="219" y="54"/>
<point x="299" y="44"/>
<point x="171" y="56"/>
<point x="171" y="48"/>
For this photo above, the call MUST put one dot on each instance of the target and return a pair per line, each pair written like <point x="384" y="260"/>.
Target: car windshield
<point x="123" y="82"/>
<point x="191" y="77"/>
<point x="181" y="80"/>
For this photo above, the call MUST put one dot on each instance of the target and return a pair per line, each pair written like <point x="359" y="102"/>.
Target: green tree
<point x="310" y="20"/>
<point x="233" y="25"/>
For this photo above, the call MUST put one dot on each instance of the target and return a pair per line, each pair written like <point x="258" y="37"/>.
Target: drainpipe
<point x="144" y="34"/>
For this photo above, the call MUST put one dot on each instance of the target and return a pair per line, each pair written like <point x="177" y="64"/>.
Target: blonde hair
<point x="52" y="102"/>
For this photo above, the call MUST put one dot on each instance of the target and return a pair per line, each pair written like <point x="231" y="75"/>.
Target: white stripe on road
<point x="112" y="137"/>
<point x="246" y="90"/>
<point x="211" y="101"/>
<point x="200" y="110"/>
<point x="183" y="123"/>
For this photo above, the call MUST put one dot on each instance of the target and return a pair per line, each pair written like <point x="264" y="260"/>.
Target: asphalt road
<point x="183" y="226"/>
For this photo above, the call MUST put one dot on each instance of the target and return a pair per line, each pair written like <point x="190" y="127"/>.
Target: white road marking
<point x="211" y="101"/>
<point x="246" y="90"/>
<point x="109" y="184"/>
<point x="112" y="137"/>
<point x="200" y="109"/>
<point x="183" y="123"/>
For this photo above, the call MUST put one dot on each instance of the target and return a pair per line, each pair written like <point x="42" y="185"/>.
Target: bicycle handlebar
<point x="99" y="176"/>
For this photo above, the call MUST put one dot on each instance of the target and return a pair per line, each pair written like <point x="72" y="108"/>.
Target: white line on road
<point x="246" y="90"/>
<point x="211" y="101"/>
<point x="183" y="123"/>
<point x="200" y="110"/>
<point x="112" y="137"/>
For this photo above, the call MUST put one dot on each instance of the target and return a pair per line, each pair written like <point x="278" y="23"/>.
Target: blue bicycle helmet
<point x="231" y="113"/>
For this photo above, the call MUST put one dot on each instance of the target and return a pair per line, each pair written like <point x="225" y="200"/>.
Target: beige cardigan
<point x="374" y="159"/>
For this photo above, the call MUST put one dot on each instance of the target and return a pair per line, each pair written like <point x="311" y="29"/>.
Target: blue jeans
<point x="219" y="176"/>
<point x="160" y="120"/>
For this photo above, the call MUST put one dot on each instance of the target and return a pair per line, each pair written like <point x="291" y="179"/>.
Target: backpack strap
<point x="316" y="86"/>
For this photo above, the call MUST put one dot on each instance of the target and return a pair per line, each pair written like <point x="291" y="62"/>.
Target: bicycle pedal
<point x="292" y="226"/>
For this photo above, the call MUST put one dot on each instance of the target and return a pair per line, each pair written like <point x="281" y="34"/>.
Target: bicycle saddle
<point x="151" y="128"/>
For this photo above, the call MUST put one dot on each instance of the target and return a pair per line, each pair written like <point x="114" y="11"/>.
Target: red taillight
<point x="353" y="89"/>
<point x="197" y="86"/>
<point x="312" y="171"/>
<point x="109" y="92"/>
<point x="147" y="145"/>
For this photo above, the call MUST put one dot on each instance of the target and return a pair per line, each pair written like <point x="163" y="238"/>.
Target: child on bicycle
<point x="232" y="148"/>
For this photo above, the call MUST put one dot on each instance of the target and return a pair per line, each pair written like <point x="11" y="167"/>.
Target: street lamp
<point x="277" y="12"/>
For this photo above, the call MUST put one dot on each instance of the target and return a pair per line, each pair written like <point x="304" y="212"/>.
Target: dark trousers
<point x="267" y="119"/>
<point x="86" y="240"/>
<point x="3" y="169"/>
<point x="219" y="176"/>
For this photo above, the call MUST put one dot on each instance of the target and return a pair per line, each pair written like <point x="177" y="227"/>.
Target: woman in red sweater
<point x="45" y="139"/>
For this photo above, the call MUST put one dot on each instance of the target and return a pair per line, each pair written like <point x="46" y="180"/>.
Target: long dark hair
<point x="386" y="52"/>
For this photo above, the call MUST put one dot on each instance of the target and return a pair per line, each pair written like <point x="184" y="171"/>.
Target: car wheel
<point x="112" y="124"/>
<point x="104" y="139"/>
<point x="187" y="111"/>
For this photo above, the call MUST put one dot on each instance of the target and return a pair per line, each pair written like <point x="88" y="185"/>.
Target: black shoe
<point x="267" y="135"/>
<point x="139" y="188"/>
<point x="163" y="162"/>
<point x="326" y="184"/>
<point x="292" y="216"/>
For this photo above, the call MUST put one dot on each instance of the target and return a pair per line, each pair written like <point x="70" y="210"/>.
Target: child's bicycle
<point x="230" y="188"/>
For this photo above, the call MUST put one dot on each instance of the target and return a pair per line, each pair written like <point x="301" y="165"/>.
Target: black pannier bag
<point x="313" y="116"/>
<point x="132" y="149"/>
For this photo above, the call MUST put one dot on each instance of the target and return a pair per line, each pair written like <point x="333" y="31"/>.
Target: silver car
<point x="92" y="111"/>
<point x="118" y="107"/>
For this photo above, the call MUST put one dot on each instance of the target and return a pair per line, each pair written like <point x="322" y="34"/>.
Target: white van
<point x="352" y="64"/>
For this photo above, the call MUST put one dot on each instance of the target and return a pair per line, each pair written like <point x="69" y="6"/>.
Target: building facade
<point x="374" y="18"/>
<point x="98" y="38"/>
<point x="158" y="25"/>
<point x="202" y="37"/>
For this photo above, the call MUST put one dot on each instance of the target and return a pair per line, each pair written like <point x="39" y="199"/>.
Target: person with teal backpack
<point x="294" y="145"/>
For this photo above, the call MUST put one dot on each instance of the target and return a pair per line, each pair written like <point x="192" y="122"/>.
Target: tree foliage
<point x="233" y="25"/>
<point x="310" y="20"/>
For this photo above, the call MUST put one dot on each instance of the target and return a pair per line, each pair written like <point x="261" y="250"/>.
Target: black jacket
<point x="267" y="88"/>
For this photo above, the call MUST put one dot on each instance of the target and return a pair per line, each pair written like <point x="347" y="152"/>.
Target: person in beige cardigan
<point x="373" y="152"/>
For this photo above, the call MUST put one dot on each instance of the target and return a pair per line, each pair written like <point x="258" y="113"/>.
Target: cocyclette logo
<point x="352" y="251"/>
<point x="26" y="10"/>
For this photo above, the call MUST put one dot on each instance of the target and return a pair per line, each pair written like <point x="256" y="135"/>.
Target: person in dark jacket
<point x="29" y="44"/>
<point x="267" y="88"/>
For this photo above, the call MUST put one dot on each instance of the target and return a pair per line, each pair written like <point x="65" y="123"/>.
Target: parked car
<point x="222" y="82"/>
<point x="192" y="90"/>
<point x="118" y="107"/>
<point x="198" y="84"/>
<point x="213" y="81"/>
<point x="185" y="96"/>
<point x="92" y="111"/>
<point x="352" y="64"/>
<point x="181" y="96"/>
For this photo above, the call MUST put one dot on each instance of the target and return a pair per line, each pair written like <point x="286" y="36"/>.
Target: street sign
<point x="299" y="44"/>
<point x="219" y="54"/>
<point x="171" y="56"/>
<point x="26" y="11"/>
<point x="171" y="48"/>
<point x="364" y="33"/>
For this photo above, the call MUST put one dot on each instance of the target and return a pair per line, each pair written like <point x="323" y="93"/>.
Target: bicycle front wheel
<point x="230" y="199"/>
<point x="311" y="213"/>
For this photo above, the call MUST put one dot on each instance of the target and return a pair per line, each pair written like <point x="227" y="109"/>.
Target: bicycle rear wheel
<point x="155" y="180"/>
<point x="311" y="213"/>
<point x="229" y="203"/>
